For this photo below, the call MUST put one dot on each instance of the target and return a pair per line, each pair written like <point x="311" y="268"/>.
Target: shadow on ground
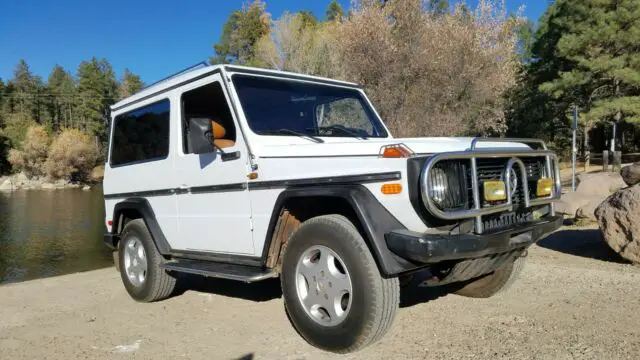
<point x="588" y="243"/>
<point x="266" y="290"/>
<point x="412" y="294"/>
<point x="261" y="291"/>
<point x="246" y="357"/>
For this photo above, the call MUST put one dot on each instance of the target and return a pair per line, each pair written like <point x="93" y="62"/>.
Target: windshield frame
<point x="373" y="116"/>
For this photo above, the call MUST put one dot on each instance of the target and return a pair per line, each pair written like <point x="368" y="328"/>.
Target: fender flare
<point x="142" y="206"/>
<point x="374" y="218"/>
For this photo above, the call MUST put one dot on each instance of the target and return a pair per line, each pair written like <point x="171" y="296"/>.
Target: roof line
<point x="161" y="86"/>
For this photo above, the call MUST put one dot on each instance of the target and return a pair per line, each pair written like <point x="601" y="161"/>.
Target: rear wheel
<point x="494" y="283"/>
<point x="140" y="264"/>
<point x="334" y="294"/>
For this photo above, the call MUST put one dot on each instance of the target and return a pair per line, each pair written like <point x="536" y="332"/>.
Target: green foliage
<point x="601" y="43"/>
<point x="308" y="19"/>
<point x="584" y="53"/>
<point x="438" y="7"/>
<point x="63" y="102"/>
<point x="63" y="99"/>
<point x="97" y="89"/>
<point x="240" y="33"/>
<point x="334" y="11"/>
<point x="130" y="84"/>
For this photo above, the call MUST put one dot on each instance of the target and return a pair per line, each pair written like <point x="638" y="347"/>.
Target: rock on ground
<point x="619" y="220"/>
<point x="631" y="174"/>
<point x="601" y="183"/>
<point x="6" y="185"/>
<point x="591" y="191"/>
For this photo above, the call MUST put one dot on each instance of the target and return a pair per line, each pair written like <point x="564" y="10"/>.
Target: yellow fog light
<point x="545" y="185"/>
<point x="494" y="190"/>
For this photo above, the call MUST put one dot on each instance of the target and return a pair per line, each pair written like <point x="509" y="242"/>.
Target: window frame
<point x="113" y="129"/>
<point x="183" y="119"/>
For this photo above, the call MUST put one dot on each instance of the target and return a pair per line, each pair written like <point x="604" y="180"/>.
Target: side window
<point x="141" y="134"/>
<point x="348" y="112"/>
<point x="208" y="102"/>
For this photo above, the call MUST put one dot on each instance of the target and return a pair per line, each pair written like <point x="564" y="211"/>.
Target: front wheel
<point x="334" y="294"/>
<point x="494" y="283"/>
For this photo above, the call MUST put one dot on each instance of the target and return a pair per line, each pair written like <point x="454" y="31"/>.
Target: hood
<point x="371" y="146"/>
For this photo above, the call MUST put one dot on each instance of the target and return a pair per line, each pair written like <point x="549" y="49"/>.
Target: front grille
<point x="493" y="169"/>
<point x="450" y="181"/>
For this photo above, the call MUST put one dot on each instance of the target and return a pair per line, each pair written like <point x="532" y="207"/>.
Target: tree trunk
<point x="617" y="118"/>
<point x="587" y="152"/>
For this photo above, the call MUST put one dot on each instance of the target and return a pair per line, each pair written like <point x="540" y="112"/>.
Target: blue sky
<point x="151" y="38"/>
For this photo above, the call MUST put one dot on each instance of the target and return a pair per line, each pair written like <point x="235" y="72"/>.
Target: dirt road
<point x="575" y="301"/>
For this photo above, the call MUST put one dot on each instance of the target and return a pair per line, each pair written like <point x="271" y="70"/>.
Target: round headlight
<point x="438" y="186"/>
<point x="446" y="186"/>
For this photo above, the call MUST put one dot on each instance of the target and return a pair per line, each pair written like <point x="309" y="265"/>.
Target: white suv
<point x="249" y="174"/>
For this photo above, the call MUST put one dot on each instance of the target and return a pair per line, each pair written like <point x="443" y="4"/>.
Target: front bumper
<point x="434" y="248"/>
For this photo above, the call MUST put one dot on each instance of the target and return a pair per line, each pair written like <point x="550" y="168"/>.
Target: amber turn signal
<point x="494" y="190"/>
<point x="396" y="151"/>
<point x="390" y="189"/>
<point x="545" y="186"/>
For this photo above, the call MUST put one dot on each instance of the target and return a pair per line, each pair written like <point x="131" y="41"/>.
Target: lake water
<point x="51" y="232"/>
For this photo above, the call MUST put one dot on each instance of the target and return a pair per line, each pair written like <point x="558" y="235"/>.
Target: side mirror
<point x="200" y="136"/>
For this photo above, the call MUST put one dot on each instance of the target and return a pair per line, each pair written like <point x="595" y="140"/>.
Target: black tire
<point x="158" y="284"/>
<point x="494" y="283"/>
<point x="374" y="300"/>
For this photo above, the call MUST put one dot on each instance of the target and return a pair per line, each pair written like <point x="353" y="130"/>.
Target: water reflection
<point x="46" y="233"/>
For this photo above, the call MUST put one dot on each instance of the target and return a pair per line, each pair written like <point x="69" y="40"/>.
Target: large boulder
<point x="599" y="183"/>
<point x="631" y="174"/>
<point x="592" y="189"/>
<point x="619" y="220"/>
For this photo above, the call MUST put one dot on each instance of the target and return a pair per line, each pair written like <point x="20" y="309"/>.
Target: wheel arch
<point x="136" y="208"/>
<point x="355" y="202"/>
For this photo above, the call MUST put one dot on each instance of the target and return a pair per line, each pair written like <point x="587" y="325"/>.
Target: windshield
<point x="292" y="108"/>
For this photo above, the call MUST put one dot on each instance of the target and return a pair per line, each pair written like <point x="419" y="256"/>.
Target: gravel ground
<point x="576" y="300"/>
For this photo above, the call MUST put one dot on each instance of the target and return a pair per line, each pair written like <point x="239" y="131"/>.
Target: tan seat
<point x="218" y="136"/>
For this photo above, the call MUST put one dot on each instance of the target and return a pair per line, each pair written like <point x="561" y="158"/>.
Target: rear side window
<point x="141" y="135"/>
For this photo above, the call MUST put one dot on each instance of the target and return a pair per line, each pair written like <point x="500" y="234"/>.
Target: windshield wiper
<point x="344" y="130"/>
<point x="293" y="132"/>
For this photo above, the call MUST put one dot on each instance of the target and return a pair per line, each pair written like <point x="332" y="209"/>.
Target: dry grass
<point x="72" y="156"/>
<point x="31" y="156"/>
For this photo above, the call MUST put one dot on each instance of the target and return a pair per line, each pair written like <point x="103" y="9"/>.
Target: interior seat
<point x="218" y="135"/>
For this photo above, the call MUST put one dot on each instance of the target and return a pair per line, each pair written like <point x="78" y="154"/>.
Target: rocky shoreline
<point x="22" y="182"/>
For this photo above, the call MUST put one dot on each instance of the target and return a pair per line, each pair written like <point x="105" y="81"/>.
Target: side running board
<point x="243" y="273"/>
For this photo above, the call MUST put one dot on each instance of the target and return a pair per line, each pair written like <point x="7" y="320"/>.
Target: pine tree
<point x="130" y="84"/>
<point x="334" y="11"/>
<point x="438" y="7"/>
<point x="240" y="33"/>
<point x="64" y="98"/>
<point x="97" y="89"/>
<point x="25" y="91"/>
<point x="600" y="44"/>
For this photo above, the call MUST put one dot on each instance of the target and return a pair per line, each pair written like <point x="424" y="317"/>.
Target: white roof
<point x="171" y="82"/>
